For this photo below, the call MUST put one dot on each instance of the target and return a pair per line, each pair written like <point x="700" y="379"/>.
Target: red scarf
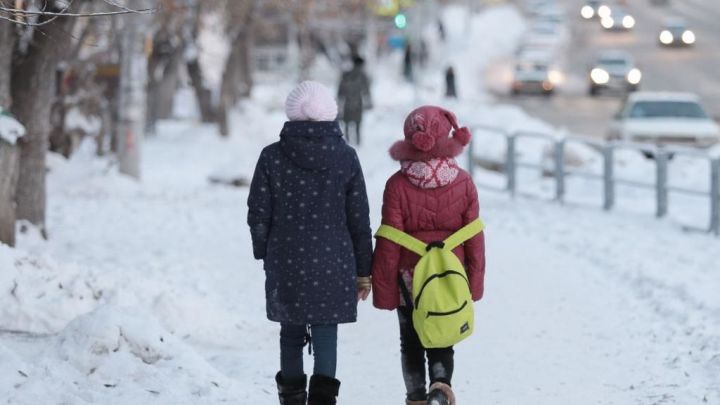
<point x="432" y="173"/>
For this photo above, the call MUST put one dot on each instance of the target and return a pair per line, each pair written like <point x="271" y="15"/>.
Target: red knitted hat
<point x="427" y="135"/>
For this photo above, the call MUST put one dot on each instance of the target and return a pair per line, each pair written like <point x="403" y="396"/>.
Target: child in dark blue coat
<point x="309" y="220"/>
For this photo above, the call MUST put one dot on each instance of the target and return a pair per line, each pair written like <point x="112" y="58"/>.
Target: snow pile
<point x="39" y="296"/>
<point x="10" y="129"/>
<point x="115" y="356"/>
<point x="77" y="120"/>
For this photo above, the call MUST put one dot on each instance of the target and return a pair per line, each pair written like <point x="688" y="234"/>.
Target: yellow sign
<point x="388" y="8"/>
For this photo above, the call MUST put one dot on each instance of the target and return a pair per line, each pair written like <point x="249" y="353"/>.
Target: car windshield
<point x="530" y="68"/>
<point x="613" y="62"/>
<point x="663" y="109"/>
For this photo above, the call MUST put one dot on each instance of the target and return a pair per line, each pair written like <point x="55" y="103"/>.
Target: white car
<point x="618" y="20"/>
<point x="534" y="76"/>
<point x="614" y="70"/>
<point x="665" y="118"/>
<point x="676" y="33"/>
<point x="594" y="9"/>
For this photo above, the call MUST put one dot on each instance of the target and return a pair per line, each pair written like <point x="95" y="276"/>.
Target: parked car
<point x="618" y="20"/>
<point x="665" y="118"/>
<point x="591" y="9"/>
<point x="614" y="70"/>
<point x="534" y="76"/>
<point x="676" y="33"/>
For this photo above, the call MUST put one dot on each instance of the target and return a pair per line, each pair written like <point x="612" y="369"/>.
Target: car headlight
<point x="634" y="76"/>
<point x="599" y="76"/>
<point x="555" y="76"/>
<point x="587" y="12"/>
<point x="628" y="21"/>
<point x="604" y="11"/>
<point x="666" y="37"/>
<point x="607" y="22"/>
<point x="688" y="37"/>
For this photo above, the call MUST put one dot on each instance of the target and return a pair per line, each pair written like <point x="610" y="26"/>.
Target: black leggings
<point x="440" y="361"/>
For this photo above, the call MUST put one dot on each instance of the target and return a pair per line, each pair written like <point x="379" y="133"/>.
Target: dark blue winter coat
<point x="309" y="220"/>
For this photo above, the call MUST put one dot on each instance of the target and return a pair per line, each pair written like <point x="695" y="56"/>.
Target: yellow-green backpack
<point x="442" y="301"/>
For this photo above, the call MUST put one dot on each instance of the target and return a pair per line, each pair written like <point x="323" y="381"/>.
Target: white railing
<point x="662" y="156"/>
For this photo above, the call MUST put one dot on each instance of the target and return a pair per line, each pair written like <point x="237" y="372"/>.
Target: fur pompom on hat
<point x="427" y="136"/>
<point x="311" y="101"/>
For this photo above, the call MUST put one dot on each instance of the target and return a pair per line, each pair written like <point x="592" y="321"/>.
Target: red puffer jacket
<point x="429" y="215"/>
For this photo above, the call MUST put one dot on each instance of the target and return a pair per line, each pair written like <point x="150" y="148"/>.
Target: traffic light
<point x="400" y="20"/>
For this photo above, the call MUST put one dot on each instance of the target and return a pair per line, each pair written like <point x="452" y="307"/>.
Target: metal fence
<point x="661" y="155"/>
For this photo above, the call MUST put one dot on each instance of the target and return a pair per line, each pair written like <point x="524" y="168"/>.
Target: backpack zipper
<point x="447" y="313"/>
<point x="439" y="275"/>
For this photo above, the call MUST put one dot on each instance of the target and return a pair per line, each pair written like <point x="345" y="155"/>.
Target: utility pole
<point x="133" y="78"/>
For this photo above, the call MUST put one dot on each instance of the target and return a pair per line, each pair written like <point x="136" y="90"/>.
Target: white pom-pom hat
<point x="311" y="101"/>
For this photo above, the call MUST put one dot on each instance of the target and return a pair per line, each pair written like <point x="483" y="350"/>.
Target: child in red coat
<point x="430" y="198"/>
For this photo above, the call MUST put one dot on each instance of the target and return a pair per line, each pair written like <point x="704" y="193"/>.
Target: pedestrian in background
<point x="354" y="97"/>
<point x="450" y="90"/>
<point x="429" y="198"/>
<point x="309" y="221"/>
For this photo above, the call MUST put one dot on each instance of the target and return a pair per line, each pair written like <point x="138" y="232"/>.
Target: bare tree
<point x="133" y="77"/>
<point x="33" y="87"/>
<point x="237" y="76"/>
<point x="9" y="155"/>
<point x="45" y="28"/>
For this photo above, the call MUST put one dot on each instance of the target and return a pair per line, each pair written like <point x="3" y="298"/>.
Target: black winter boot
<point x="441" y="394"/>
<point x="323" y="390"/>
<point x="291" y="392"/>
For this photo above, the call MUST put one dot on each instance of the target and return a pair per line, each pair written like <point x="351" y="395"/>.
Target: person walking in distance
<point x="354" y="97"/>
<point x="309" y="221"/>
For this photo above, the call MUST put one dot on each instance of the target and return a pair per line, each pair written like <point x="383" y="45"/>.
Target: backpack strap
<point x="403" y="239"/>
<point x="464" y="234"/>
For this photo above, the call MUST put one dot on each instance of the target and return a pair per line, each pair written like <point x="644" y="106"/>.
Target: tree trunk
<point x="8" y="153"/>
<point x="203" y="95"/>
<point x="237" y="77"/>
<point x="133" y="78"/>
<point x="33" y="87"/>
<point x="9" y="159"/>
<point x="7" y="43"/>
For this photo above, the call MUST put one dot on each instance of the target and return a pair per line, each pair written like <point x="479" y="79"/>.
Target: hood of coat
<point x="312" y="145"/>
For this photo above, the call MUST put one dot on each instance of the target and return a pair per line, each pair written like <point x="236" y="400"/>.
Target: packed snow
<point x="146" y="292"/>
<point x="10" y="129"/>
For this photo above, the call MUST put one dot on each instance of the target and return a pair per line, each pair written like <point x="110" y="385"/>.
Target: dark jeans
<point x="356" y="127"/>
<point x="324" y="345"/>
<point x="440" y="361"/>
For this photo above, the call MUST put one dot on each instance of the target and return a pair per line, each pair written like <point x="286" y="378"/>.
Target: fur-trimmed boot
<point x="291" y="392"/>
<point x="409" y="402"/>
<point x="323" y="390"/>
<point x="441" y="394"/>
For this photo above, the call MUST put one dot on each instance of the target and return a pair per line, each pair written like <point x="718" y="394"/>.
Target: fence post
<point x="661" y="182"/>
<point x="609" y="176"/>
<point x="510" y="167"/>
<point x="560" y="170"/>
<point x="715" y="196"/>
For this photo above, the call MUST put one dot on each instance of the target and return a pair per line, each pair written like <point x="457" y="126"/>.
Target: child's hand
<point x="364" y="285"/>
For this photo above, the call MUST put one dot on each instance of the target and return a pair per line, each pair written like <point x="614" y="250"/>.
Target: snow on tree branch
<point x="10" y="128"/>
